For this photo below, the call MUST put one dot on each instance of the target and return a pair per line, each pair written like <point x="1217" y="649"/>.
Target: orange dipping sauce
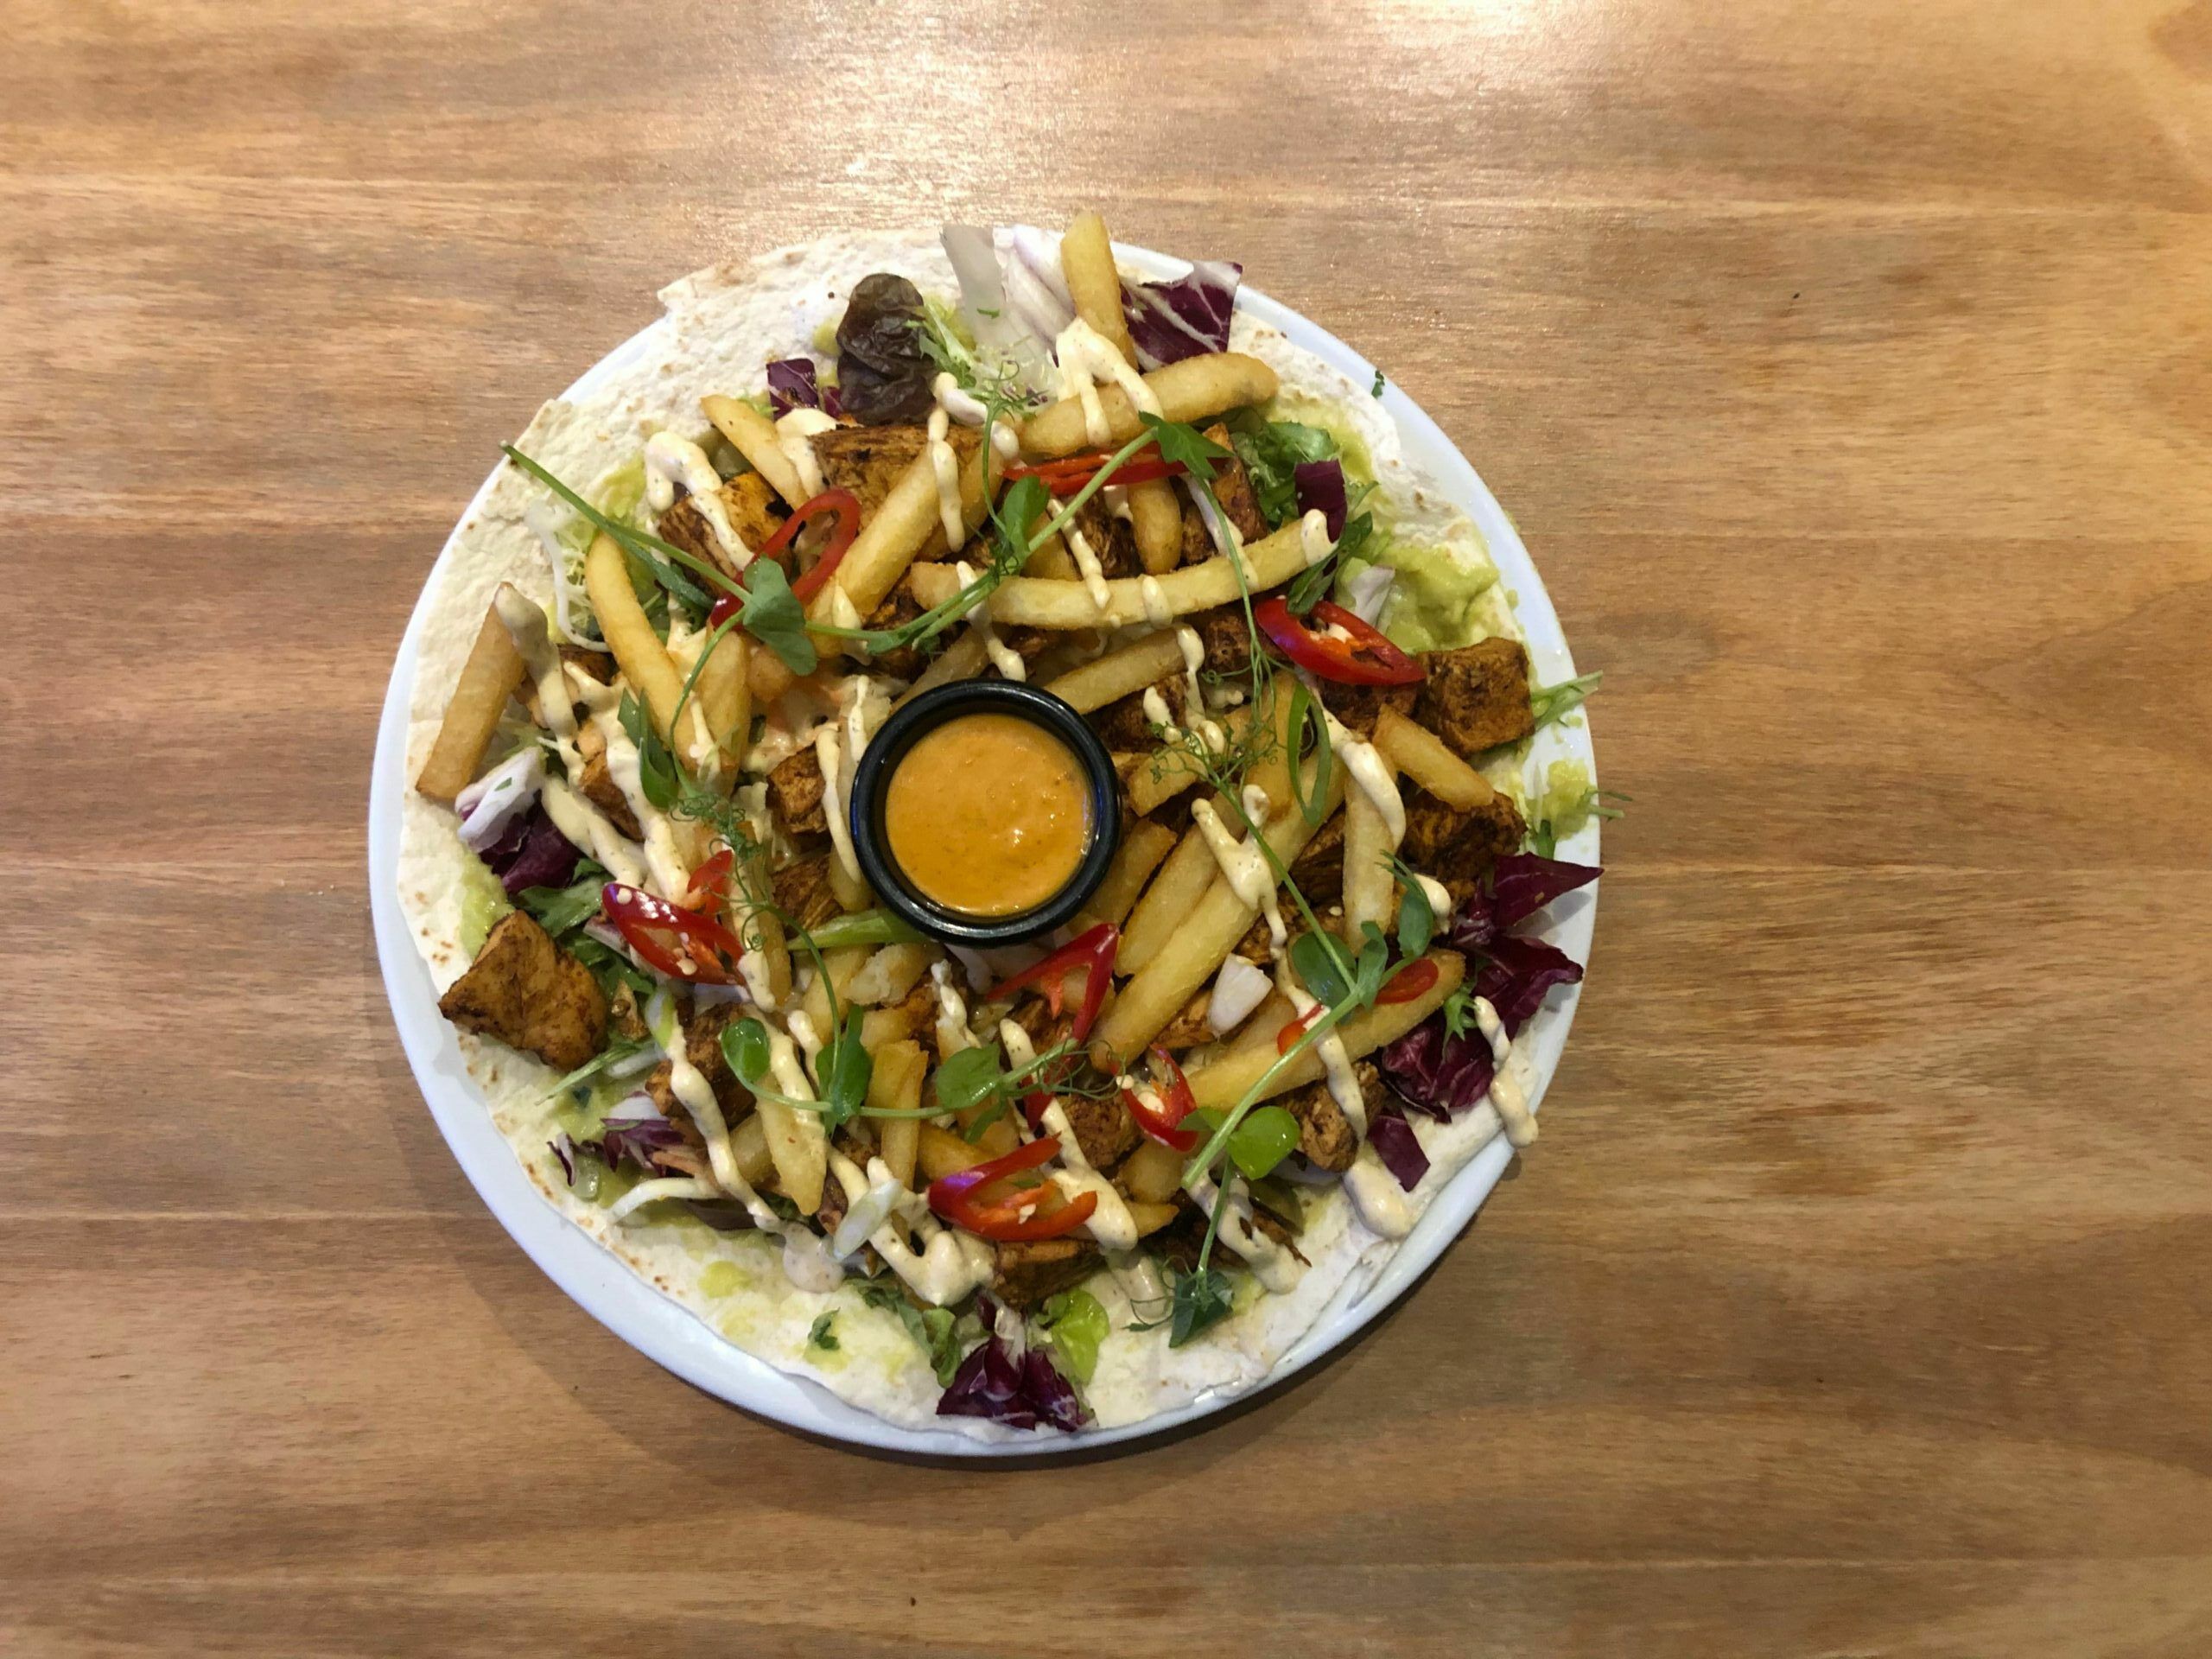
<point x="987" y="814"/>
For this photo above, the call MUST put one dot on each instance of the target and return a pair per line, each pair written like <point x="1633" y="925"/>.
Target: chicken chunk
<point x="530" y="994"/>
<point x="1476" y="697"/>
<point x="1027" y="1273"/>
<point x="1358" y="707"/>
<point x="598" y="787"/>
<point x="1458" y="848"/>
<point x="1121" y="723"/>
<point x="1318" y="870"/>
<point x="1325" y="1135"/>
<point x="1189" y="1027"/>
<point x="1111" y="538"/>
<point x="869" y="461"/>
<point x="803" y="891"/>
<point x="702" y="1045"/>
<point x="1226" y="636"/>
<point x="754" y="510"/>
<point x="1232" y="487"/>
<point x="795" y="791"/>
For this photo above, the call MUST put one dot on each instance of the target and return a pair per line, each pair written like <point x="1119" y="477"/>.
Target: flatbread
<point x="719" y="328"/>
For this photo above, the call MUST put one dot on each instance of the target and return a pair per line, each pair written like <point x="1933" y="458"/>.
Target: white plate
<point x="657" y="1327"/>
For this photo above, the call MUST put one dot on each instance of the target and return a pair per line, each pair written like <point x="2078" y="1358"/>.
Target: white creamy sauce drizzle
<point x="946" y="464"/>
<point x="1003" y="657"/>
<point x="670" y="460"/>
<point x="1153" y="597"/>
<point x="684" y="650"/>
<point x="1087" y="357"/>
<point x="1274" y="1266"/>
<point x="525" y="626"/>
<point x="1377" y="1195"/>
<point x="689" y="1085"/>
<point x="645" y="1193"/>
<point x="585" y="825"/>
<point x="1314" y="538"/>
<point x="953" y="1033"/>
<point x="1244" y="867"/>
<point x="1336" y="1060"/>
<point x="672" y="876"/>
<point x="1086" y="562"/>
<point x="1504" y="1091"/>
<point x="1110" y="1223"/>
<point x="1371" y="772"/>
<point x="1194" y="696"/>
<point x="794" y="436"/>
<point x="1439" y="899"/>
<point x="958" y="405"/>
<point x="1226" y="541"/>
<point x="873" y="1197"/>
<point x="951" y="1263"/>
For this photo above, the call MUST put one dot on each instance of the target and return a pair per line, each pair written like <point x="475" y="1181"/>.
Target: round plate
<point x="665" y="1333"/>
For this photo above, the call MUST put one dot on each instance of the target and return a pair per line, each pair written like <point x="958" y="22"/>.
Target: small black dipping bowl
<point x="872" y="787"/>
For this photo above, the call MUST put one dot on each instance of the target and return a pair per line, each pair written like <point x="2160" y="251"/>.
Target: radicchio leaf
<point x="1320" y="484"/>
<point x="1021" y="1391"/>
<point x="791" y="385"/>
<point x="1398" y="1146"/>
<point x="1436" y="1075"/>
<point x="1522" y="884"/>
<point x="532" y="854"/>
<point x="1169" y="321"/>
<point x="1517" y="973"/>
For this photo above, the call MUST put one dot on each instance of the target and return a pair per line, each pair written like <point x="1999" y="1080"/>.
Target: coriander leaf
<point x="1202" y="1300"/>
<point x="1271" y="452"/>
<point x="971" y="1076"/>
<point x="745" y="1049"/>
<point x="1075" y="1323"/>
<point x="656" y="770"/>
<point x="1184" y="443"/>
<point x="847" y="1070"/>
<point x="820" y="1337"/>
<point x="1416" y="916"/>
<point x="1316" y="967"/>
<point x="772" y="614"/>
<point x="1374" y="958"/>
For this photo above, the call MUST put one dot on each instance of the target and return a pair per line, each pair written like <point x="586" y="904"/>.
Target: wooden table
<point x="1846" y="367"/>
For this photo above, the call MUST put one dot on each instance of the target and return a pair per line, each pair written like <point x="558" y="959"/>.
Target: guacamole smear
<point x="1436" y="603"/>
<point x="483" y="901"/>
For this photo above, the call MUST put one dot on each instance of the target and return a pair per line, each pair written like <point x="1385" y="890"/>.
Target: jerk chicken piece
<point x="1029" y="1273"/>
<point x="531" y="995"/>
<point x="795" y="791"/>
<point x="755" y="512"/>
<point x="1476" y="697"/>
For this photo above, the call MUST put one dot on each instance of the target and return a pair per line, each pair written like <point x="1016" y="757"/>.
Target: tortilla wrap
<point x="719" y="329"/>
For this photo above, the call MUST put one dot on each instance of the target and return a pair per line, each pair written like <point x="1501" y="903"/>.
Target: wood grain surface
<point x="1846" y="364"/>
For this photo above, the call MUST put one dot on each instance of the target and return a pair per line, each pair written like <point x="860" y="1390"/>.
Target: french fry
<point x="1219" y="1086"/>
<point x="963" y="659"/>
<point x="1182" y="881"/>
<point x="488" y="679"/>
<point x="889" y="974"/>
<point x="941" y="1153"/>
<point x="1153" y="1174"/>
<point x="753" y="435"/>
<point x="1200" y="938"/>
<point x="1087" y="265"/>
<point x="1156" y="779"/>
<point x="899" y="529"/>
<point x="1156" y="520"/>
<point x="1265" y="1024"/>
<point x="1189" y="390"/>
<point x="1150" y="1218"/>
<point x="1369" y="886"/>
<point x="843" y="964"/>
<point x="799" y="1149"/>
<point x="1131" y="668"/>
<point x="1135" y="860"/>
<point x="749" y="1141"/>
<point x="1272" y="773"/>
<point x="895" y="1085"/>
<point x="725" y="694"/>
<point x="1423" y="757"/>
<point x="1027" y="601"/>
<point x="644" y="661"/>
<point x="850" y="890"/>
<point x="1051" y="558"/>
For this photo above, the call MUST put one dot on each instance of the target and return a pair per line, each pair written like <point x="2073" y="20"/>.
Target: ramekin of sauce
<point x="985" y="812"/>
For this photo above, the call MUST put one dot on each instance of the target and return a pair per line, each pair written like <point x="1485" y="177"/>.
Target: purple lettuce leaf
<point x="1021" y="1391"/>
<point x="1515" y="973"/>
<point x="1169" y="321"/>
<point x="1320" y="484"/>
<point x="1435" y="1074"/>
<point x="1398" y="1146"/>
<point x="532" y="854"/>
<point x="792" y="384"/>
<point x="637" y="1140"/>
<point x="1522" y="884"/>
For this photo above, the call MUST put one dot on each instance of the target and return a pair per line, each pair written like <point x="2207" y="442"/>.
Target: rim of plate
<point x="672" y="1336"/>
